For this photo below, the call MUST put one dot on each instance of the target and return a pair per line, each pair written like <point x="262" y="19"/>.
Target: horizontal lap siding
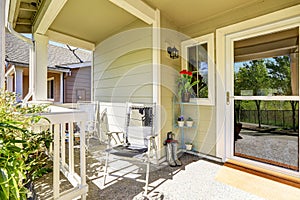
<point x="123" y="67"/>
<point x="80" y="80"/>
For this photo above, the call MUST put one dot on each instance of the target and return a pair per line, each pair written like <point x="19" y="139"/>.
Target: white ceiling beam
<point x="47" y="15"/>
<point x="137" y="8"/>
<point x="70" y="40"/>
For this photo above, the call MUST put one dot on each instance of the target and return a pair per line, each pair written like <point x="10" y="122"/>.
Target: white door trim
<point x="223" y="51"/>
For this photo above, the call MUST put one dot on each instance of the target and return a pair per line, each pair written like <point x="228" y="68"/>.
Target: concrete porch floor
<point x="196" y="179"/>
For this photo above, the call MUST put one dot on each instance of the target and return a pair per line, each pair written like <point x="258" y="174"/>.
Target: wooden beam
<point x="24" y="22"/>
<point x="27" y="7"/>
<point x="67" y="39"/>
<point x="137" y="8"/>
<point x="47" y="15"/>
<point x="23" y="29"/>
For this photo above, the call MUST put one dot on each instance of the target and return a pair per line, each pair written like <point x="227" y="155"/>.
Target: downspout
<point x="31" y="60"/>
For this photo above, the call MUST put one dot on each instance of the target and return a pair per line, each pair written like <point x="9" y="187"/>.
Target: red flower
<point x="186" y="72"/>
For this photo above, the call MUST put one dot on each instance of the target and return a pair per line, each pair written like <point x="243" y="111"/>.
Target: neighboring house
<point x="68" y="77"/>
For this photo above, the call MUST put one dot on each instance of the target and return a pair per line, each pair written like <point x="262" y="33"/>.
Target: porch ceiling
<point x="95" y="20"/>
<point x="186" y="13"/>
<point x="91" y="20"/>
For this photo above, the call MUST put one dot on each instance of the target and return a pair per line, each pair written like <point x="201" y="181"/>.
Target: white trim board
<point x="280" y="20"/>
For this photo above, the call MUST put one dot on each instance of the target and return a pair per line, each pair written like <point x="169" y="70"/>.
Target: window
<point x="198" y="57"/>
<point x="50" y="88"/>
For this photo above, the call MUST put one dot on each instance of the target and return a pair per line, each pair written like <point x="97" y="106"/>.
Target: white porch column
<point x="9" y="83"/>
<point x="294" y="73"/>
<point x="19" y="82"/>
<point x="40" y="67"/>
<point x="2" y="44"/>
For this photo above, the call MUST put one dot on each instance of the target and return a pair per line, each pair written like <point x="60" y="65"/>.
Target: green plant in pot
<point x="185" y="85"/>
<point x="22" y="151"/>
<point x="189" y="122"/>
<point x="188" y="146"/>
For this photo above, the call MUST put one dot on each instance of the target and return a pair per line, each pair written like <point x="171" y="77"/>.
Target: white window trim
<point x="209" y="39"/>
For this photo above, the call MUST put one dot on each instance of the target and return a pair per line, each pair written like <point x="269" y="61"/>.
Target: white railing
<point x="62" y="125"/>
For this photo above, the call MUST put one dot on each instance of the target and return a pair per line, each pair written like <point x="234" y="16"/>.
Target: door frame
<point x="280" y="20"/>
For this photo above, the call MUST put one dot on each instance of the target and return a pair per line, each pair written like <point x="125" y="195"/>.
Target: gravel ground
<point x="279" y="148"/>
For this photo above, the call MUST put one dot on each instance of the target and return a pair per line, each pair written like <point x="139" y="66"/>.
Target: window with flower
<point x="198" y="59"/>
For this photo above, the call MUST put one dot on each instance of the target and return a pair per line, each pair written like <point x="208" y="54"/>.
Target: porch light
<point x="173" y="52"/>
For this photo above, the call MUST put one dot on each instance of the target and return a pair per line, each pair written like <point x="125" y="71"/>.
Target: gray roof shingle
<point x="17" y="51"/>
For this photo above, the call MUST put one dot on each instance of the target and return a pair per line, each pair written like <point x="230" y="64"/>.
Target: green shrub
<point x="22" y="151"/>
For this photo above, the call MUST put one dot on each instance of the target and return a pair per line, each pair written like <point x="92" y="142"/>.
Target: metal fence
<point x="281" y="118"/>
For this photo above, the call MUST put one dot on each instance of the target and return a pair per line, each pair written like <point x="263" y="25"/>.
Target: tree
<point x="253" y="76"/>
<point x="280" y="74"/>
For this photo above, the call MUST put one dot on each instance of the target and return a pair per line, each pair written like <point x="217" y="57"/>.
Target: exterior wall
<point x="123" y="66"/>
<point x="169" y="73"/>
<point x="203" y="134"/>
<point x="78" y="85"/>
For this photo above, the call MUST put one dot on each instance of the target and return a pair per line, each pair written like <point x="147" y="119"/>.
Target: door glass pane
<point x="198" y="64"/>
<point x="267" y="65"/>
<point x="268" y="134"/>
<point x="267" y="130"/>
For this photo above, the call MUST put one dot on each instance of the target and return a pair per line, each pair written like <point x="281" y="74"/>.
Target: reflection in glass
<point x="266" y="77"/>
<point x="267" y="65"/>
<point x="267" y="131"/>
<point x="198" y="64"/>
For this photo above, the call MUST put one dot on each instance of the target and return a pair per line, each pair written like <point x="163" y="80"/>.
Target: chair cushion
<point x="126" y="151"/>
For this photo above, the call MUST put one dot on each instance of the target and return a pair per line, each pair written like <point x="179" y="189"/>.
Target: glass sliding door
<point x="266" y="99"/>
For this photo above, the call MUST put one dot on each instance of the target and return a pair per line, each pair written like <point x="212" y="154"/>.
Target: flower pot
<point x="180" y="123"/>
<point x="188" y="147"/>
<point x="185" y="97"/>
<point x="189" y="123"/>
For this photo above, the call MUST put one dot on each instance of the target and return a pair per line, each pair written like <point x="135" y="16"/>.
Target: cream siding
<point x="203" y="134"/>
<point x="123" y="66"/>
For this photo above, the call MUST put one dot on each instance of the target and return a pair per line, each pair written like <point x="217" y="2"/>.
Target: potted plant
<point x="180" y="121"/>
<point x="188" y="146"/>
<point x="189" y="122"/>
<point x="185" y="85"/>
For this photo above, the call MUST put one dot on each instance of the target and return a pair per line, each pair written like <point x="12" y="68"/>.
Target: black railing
<point x="281" y="118"/>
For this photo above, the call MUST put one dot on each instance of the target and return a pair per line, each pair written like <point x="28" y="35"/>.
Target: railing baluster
<point x="82" y="157"/>
<point x="56" y="169"/>
<point x="71" y="148"/>
<point x="63" y="144"/>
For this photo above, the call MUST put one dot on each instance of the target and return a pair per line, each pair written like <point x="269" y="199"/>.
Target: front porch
<point x="130" y="42"/>
<point x="197" y="178"/>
